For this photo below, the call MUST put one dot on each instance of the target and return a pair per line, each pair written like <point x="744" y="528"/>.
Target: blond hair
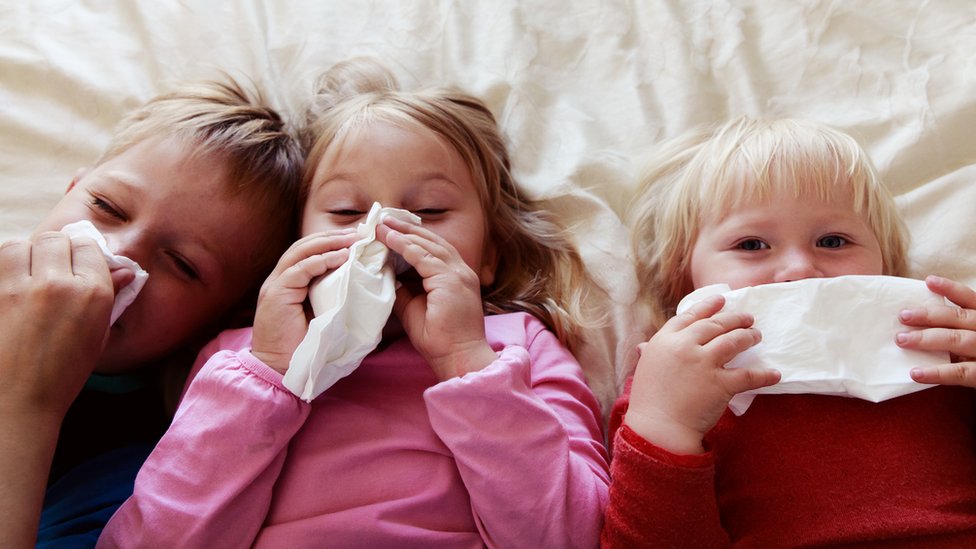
<point x="538" y="270"/>
<point x="709" y="171"/>
<point x="230" y="122"/>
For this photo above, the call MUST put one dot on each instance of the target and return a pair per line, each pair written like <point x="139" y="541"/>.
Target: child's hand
<point x="54" y="318"/>
<point x="443" y="316"/>
<point x="280" y="321"/>
<point x="681" y="386"/>
<point x="946" y="328"/>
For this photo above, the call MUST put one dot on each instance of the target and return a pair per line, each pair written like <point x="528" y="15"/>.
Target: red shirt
<point x="803" y="470"/>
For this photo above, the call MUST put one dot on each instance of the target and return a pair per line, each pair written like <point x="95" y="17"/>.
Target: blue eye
<point x="752" y="245"/>
<point x="832" y="241"/>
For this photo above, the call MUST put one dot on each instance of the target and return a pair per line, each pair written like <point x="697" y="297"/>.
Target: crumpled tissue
<point x="351" y="306"/>
<point x="830" y="336"/>
<point x="126" y="295"/>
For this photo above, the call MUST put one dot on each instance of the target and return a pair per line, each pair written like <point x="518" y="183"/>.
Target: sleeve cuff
<point x="626" y="435"/>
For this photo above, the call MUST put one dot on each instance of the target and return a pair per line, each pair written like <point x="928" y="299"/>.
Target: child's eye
<point x="347" y="213"/>
<point x="752" y="245"/>
<point x="106" y="207"/>
<point x="430" y="212"/>
<point x="832" y="241"/>
<point x="184" y="266"/>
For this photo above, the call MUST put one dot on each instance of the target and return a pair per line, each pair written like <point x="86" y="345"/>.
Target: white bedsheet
<point x="582" y="88"/>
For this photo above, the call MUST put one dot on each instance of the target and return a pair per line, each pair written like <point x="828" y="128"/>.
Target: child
<point x="460" y="429"/>
<point x="752" y="203"/>
<point x="200" y="187"/>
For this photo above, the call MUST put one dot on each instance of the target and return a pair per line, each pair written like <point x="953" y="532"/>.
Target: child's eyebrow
<point x="436" y="178"/>
<point x="124" y="180"/>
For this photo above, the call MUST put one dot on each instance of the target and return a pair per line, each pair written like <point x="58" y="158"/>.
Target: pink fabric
<point x="511" y="456"/>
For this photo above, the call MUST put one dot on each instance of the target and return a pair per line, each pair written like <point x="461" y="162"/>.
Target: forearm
<point x="548" y="486"/>
<point x="658" y="499"/>
<point x="27" y="443"/>
<point x="216" y="465"/>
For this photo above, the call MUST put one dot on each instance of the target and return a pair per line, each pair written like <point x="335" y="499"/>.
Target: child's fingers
<point x="51" y="255"/>
<point x="739" y="380"/>
<point x="703" y="309"/>
<point x="426" y="256"/>
<point x="15" y="259"/>
<point x="708" y="329"/>
<point x="962" y="373"/>
<point x="956" y="292"/>
<point x="958" y="342"/>
<point x="314" y="244"/>
<point x="404" y="227"/>
<point x="728" y="345"/>
<point x="88" y="261"/>
<point x="938" y="317"/>
<point x="301" y="274"/>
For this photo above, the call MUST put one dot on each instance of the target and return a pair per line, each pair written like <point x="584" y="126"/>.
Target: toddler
<point x="755" y="202"/>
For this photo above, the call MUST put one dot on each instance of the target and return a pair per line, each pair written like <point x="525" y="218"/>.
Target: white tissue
<point x="125" y="296"/>
<point x="351" y="306"/>
<point x="830" y="336"/>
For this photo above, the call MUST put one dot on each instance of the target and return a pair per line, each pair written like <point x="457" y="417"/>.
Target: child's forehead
<point x="733" y="193"/>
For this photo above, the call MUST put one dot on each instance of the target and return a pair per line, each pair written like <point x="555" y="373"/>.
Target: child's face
<point x="170" y="214"/>
<point x="783" y="239"/>
<point x="410" y="169"/>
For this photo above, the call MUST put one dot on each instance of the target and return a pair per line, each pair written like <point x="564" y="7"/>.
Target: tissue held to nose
<point x="125" y="295"/>
<point x="829" y="336"/>
<point x="351" y="305"/>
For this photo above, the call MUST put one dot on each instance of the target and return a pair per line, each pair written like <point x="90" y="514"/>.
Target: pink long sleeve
<point x="208" y="483"/>
<point x="528" y="446"/>
<point x="509" y="456"/>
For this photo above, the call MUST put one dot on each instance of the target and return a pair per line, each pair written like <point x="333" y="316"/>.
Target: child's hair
<point x="538" y="270"/>
<point x="709" y="171"/>
<point x="233" y="123"/>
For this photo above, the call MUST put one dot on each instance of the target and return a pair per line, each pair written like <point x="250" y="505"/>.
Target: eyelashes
<point x="106" y="208"/>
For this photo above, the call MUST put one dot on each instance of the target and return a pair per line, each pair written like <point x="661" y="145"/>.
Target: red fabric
<point x="801" y="470"/>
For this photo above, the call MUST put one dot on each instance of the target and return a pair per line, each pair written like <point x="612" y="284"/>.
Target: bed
<point x="583" y="88"/>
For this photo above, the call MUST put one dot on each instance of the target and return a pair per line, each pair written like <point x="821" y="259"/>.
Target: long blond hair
<point x="538" y="270"/>
<point x="708" y="171"/>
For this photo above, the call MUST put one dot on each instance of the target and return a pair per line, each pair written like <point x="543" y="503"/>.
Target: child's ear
<point x="80" y="174"/>
<point x="489" y="264"/>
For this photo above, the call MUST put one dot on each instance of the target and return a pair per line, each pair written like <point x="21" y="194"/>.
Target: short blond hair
<point x="538" y="270"/>
<point x="226" y="120"/>
<point x="708" y="171"/>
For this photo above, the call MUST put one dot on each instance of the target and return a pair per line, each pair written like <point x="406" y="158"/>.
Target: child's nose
<point x="128" y="242"/>
<point x="797" y="265"/>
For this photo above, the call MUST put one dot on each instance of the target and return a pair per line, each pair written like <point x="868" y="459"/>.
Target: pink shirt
<point x="510" y="456"/>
